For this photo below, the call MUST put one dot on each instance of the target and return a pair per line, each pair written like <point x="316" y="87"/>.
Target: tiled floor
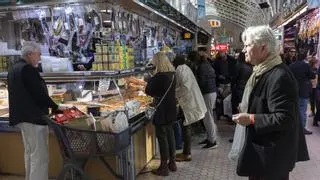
<point x="214" y="164"/>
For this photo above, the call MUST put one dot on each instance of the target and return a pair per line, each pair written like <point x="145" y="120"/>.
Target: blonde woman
<point x="164" y="81"/>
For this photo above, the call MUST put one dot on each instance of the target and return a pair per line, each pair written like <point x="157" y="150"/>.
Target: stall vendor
<point x="83" y="66"/>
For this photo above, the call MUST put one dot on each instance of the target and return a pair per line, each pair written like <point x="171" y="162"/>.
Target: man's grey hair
<point x="29" y="47"/>
<point x="261" y="35"/>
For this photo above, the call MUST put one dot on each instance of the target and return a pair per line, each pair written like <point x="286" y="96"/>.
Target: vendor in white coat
<point x="191" y="102"/>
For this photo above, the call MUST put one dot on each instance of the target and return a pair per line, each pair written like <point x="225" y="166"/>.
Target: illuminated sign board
<point x="214" y="23"/>
<point x="187" y="35"/>
<point x="220" y="47"/>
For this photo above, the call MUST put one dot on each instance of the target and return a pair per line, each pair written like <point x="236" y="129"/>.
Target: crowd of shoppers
<point x="269" y="97"/>
<point x="258" y="80"/>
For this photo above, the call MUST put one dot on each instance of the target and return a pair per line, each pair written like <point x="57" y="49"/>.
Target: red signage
<point x="220" y="47"/>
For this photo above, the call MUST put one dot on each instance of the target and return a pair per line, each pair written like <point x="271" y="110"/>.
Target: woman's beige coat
<point x="189" y="95"/>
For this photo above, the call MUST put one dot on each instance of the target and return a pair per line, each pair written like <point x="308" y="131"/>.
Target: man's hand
<point x="81" y="67"/>
<point x="242" y="119"/>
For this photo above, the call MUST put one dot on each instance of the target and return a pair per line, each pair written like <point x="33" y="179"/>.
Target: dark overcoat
<point x="276" y="141"/>
<point x="157" y="87"/>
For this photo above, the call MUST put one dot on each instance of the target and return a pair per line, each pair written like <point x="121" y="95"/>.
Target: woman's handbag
<point x="150" y="111"/>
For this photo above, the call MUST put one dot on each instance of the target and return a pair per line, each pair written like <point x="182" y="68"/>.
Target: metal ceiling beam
<point x="253" y="10"/>
<point x="251" y="15"/>
<point x="221" y="14"/>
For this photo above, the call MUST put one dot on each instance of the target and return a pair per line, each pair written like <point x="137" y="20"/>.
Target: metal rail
<point x="60" y="77"/>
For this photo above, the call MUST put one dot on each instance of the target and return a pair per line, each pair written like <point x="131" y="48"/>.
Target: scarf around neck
<point x="258" y="71"/>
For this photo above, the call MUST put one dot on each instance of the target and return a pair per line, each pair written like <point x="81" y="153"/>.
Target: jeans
<point x="208" y="121"/>
<point x="166" y="141"/>
<point x="186" y="134"/>
<point x="177" y="134"/>
<point x="317" y="116"/>
<point x="36" y="155"/>
<point x="313" y="100"/>
<point x="303" y="106"/>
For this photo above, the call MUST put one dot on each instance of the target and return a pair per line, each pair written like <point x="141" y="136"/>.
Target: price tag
<point x="87" y="73"/>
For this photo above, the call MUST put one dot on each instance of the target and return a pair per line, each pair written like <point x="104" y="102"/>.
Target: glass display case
<point x="107" y="90"/>
<point x="100" y="93"/>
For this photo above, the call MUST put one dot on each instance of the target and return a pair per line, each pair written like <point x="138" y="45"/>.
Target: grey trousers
<point x="36" y="155"/>
<point x="209" y="121"/>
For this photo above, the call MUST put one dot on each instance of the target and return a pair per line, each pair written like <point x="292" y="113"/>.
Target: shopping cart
<point x="78" y="146"/>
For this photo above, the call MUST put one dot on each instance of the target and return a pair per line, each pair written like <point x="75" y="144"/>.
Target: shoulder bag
<point x="150" y="111"/>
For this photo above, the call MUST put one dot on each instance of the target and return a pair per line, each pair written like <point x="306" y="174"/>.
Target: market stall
<point x="303" y="32"/>
<point x="95" y="55"/>
<point x="104" y="36"/>
<point x="112" y="100"/>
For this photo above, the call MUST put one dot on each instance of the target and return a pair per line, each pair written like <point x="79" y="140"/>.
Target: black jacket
<point x="206" y="77"/>
<point x="276" y="141"/>
<point x="303" y="74"/>
<point x="222" y="69"/>
<point x="242" y="74"/>
<point x="28" y="95"/>
<point x="156" y="87"/>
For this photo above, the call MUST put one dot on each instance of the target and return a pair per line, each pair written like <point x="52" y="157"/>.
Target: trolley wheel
<point x="72" y="172"/>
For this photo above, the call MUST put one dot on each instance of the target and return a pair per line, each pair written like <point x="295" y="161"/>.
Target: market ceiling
<point x="245" y="13"/>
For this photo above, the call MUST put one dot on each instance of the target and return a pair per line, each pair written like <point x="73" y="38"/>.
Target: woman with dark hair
<point x="206" y="79"/>
<point x="192" y="105"/>
<point x="192" y="59"/>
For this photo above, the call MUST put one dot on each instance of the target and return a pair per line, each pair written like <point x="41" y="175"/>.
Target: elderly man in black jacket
<point x="303" y="73"/>
<point x="274" y="139"/>
<point x="28" y="103"/>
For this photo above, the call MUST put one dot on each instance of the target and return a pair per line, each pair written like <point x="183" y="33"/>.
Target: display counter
<point x="12" y="156"/>
<point x="112" y="91"/>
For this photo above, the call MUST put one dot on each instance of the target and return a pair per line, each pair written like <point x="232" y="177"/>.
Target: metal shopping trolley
<point x="78" y="146"/>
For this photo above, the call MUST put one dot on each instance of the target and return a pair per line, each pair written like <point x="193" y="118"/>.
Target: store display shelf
<point x="86" y="75"/>
<point x="136" y="123"/>
<point x="31" y="4"/>
<point x="289" y="40"/>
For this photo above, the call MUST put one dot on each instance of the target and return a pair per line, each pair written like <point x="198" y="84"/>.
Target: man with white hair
<point x="28" y="103"/>
<point x="274" y="139"/>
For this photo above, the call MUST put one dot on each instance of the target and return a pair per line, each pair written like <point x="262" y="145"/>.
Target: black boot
<point x="162" y="170"/>
<point x="172" y="164"/>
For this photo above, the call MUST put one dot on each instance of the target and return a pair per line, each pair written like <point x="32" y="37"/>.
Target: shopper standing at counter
<point x="165" y="115"/>
<point x="193" y="107"/>
<point x="29" y="102"/>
